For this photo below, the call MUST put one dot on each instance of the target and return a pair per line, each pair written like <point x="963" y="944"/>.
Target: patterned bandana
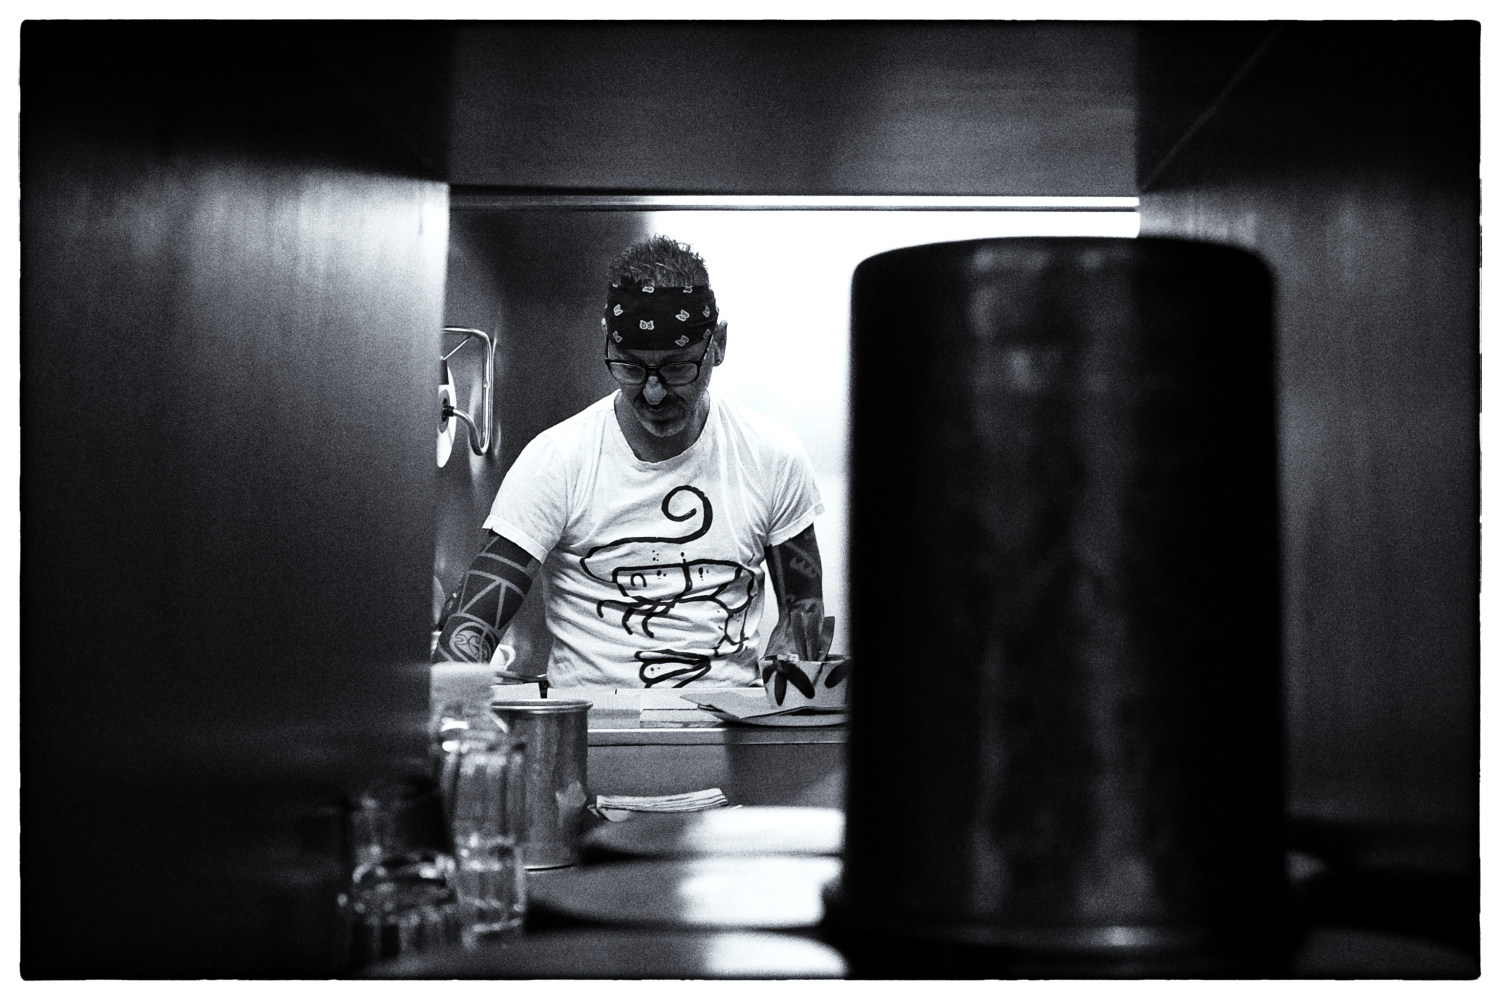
<point x="658" y="317"/>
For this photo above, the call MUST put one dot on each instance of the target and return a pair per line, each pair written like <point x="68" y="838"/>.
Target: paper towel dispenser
<point x="482" y="433"/>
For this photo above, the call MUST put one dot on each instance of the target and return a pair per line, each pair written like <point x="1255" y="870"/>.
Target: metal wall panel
<point x="1346" y="155"/>
<point x="796" y="108"/>
<point x="232" y="290"/>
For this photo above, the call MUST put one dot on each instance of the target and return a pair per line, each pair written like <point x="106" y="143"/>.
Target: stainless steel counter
<point x="753" y="765"/>
<point x="626" y="727"/>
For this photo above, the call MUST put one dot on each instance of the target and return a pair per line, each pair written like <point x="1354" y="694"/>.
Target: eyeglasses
<point x="674" y="373"/>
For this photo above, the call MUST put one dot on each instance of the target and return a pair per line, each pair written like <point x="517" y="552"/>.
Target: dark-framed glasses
<point x="672" y="373"/>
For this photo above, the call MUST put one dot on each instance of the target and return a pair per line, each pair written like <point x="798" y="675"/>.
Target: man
<point x="654" y="513"/>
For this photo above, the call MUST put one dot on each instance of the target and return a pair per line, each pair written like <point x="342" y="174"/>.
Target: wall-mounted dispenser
<point x="483" y="434"/>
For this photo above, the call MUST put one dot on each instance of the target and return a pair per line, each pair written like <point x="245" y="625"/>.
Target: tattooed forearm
<point x="796" y="572"/>
<point x="796" y="569"/>
<point x="493" y="588"/>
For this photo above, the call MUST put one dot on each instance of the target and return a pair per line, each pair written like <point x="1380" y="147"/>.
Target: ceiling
<point x="796" y="108"/>
<point x="792" y="107"/>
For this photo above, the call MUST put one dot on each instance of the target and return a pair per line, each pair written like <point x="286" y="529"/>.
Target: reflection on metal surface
<point x="765" y="893"/>
<point x="632" y="954"/>
<point x="731" y="955"/>
<point x="745" y="830"/>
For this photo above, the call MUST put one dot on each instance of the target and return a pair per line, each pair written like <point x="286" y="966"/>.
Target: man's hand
<point x="799" y="632"/>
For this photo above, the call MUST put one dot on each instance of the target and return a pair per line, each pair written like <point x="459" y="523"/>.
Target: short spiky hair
<point x="660" y="260"/>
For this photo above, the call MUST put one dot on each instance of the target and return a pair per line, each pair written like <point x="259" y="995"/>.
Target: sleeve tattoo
<point x="796" y="571"/>
<point x="494" y="586"/>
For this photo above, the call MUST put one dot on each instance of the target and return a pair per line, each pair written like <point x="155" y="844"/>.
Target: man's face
<point x="667" y="410"/>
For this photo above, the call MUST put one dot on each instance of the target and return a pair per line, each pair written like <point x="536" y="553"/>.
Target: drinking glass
<point x="396" y="818"/>
<point x="395" y="908"/>
<point x="487" y="810"/>
<point x="400" y="898"/>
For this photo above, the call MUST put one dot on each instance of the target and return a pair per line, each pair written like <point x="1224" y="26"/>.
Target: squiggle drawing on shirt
<point x="657" y="589"/>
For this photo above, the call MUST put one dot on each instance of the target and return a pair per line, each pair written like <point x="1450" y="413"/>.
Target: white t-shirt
<point x="653" y="572"/>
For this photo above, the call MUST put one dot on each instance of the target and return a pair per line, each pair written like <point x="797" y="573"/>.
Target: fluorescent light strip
<point x="803" y="203"/>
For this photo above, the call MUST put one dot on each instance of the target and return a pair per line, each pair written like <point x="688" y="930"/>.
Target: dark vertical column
<point x="1066" y="729"/>
<point x="231" y="295"/>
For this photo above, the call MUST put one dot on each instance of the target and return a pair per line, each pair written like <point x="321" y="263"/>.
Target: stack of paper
<point x="678" y="718"/>
<point x="709" y="798"/>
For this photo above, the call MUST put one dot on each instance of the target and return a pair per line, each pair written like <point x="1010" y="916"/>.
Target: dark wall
<point x="797" y="108"/>
<point x="232" y="281"/>
<point x="1347" y="156"/>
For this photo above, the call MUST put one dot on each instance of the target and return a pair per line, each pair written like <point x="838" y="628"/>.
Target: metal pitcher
<point x="555" y="733"/>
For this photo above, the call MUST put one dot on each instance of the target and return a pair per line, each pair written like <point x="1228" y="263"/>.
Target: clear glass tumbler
<point x="396" y="818"/>
<point x="488" y="810"/>
<point x="394" y="909"/>
<point x="400" y="898"/>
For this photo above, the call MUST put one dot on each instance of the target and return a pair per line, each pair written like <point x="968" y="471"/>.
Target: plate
<point x="740" y="703"/>
<point x="618" y="953"/>
<point x="799" y="830"/>
<point x="752" y="893"/>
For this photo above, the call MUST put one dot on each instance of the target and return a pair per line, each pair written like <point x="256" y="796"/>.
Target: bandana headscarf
<point x="646" y="317"/>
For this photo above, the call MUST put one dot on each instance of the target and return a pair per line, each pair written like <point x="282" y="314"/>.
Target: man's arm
<point x="494" y="586"/>
<point x="796" y="571"/>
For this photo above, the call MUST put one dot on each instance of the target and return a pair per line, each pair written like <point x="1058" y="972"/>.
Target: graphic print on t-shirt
<point x="653" y="587"/>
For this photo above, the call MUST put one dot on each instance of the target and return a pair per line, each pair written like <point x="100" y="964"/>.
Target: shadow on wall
<point x="535" y="281"/>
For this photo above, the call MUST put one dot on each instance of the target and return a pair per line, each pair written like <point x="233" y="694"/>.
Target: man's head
<point x="663" y="335"/>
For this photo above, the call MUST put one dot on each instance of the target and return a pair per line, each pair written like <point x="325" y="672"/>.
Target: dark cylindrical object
<point x="1066" y="735"/>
